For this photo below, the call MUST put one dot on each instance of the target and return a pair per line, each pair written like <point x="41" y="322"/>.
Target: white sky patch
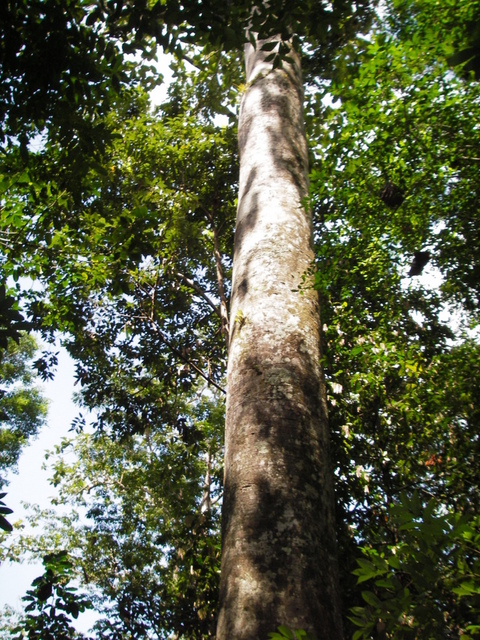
<point x="159" y="94"/>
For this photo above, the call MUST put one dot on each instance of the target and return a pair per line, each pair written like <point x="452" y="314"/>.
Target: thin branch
<point x="191" y="61"/>
<point x="182" y="357"/>
<point x="198" y="289"/>
<point x="220" y="281"/>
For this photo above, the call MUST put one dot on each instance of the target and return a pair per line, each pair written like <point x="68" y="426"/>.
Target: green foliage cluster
<point x="4" y="511"/>
<point x="22" y="406"/>
<point x="51" y="603"/>
<point x="143" y="523"/>
<point x="395" y="173"/>
<point x="126" y="228"/>
<point x="285" y="632"/>
<point x="12" y="321"/>
<point x="126" y="256"/>
<point x="427" y="582"/>
<point x="127" y="263"/>
<point x="59" y="71"/>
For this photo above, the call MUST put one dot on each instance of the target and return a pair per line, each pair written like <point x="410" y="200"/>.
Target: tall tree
<point x="281" y="509"/>
<point x="279" y="557"/>
<point x="398" y="178"/>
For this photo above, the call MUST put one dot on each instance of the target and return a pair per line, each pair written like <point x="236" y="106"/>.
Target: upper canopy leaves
<point x="63" y="62"/>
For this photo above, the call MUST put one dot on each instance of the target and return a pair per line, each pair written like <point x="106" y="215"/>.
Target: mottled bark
<point x="279" y="552"/>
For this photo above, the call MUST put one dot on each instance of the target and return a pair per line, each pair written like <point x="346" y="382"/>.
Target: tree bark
<point x="279" y="550"/>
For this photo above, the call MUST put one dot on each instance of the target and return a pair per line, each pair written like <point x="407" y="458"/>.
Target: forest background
<point x="124" y="220"/>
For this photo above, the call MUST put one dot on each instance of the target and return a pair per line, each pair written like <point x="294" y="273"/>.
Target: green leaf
<point x="468" y="588"/>
<point x="5" y="525"/>
<point x="269" y="46"/>
<point x="356" y="351"/>
<point x="371" y="599"/>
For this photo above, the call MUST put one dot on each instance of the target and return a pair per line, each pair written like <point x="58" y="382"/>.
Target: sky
<point x="31" y="484"/>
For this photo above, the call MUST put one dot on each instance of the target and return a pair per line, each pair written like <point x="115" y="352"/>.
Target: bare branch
<point x="181" y="356"/>
<point x="198" y="289"/>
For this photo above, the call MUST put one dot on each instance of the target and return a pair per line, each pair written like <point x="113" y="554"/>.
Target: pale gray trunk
<point x="278" y="558"/>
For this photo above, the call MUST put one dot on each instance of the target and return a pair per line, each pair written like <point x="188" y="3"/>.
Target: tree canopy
<point x="22" y="406"/>
<point x="123" y="215"/>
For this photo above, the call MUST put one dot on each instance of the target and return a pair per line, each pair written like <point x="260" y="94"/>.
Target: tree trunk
<point x="279" y="550"/>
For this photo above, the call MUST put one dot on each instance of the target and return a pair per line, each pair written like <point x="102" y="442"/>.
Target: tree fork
<point x="278" y="534"/>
